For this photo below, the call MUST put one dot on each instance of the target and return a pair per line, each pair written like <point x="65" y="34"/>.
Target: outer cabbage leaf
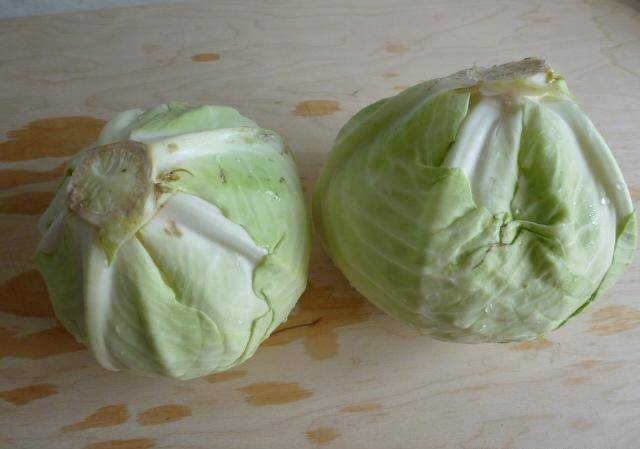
<point x="481" y="207"/>
<point x="204" y="268"/>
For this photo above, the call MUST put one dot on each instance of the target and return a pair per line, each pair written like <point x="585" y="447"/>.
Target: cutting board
<point x="339" y="373"/>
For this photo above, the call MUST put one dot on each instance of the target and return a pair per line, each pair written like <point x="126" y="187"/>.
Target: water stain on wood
<point x="315" y="319"/>
<point x="395" y="47"/>
<point x="15" y="178"/>
<point x="585" y="364"/>
<point x="163" y="414"/>
<point x="137" y="443"/>
<point x="322" y="435"/>
<point x="205" y="57"/>
<point x="50" y="137"/>
<point x="24" y="395"/>
<point x="38" y="345"/>
<point x="576" y="380"/>
<point x="614" y="320"/>
<point x="26" y="203"/>
<point x="362" y="408"/>
<point x="540" y="343"/>
<point x="316" y="108"/>
<point x="26" y="295"/>
<point x="108" y="416"/>
<point x="273" y="393"/>
<point x="224" y="376"/>
<point x="401" y="87"/>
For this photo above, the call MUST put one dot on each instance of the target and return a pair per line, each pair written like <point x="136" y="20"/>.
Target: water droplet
<point x="240" y="322"/>
<point x="483" y="327"/>
<point x="488" y="308"/>
<point x="272" y="195"/>
<point x="619" y="186"/>
<point x="516" y="211"/>
<point x="118" y="329"/>
<point x="604" y="201"/>
<point x="121" y="353"/>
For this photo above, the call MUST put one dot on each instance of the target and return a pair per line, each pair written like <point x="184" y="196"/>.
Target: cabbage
<point x="480" y="207"/>
<point x="178" y="242"/>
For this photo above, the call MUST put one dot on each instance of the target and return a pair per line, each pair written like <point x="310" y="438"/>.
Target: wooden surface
<point x="340" y="374"/>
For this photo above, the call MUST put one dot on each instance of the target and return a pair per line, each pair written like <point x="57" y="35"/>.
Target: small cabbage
<point x="178" y="242"/>
<point x="480" y="207"/>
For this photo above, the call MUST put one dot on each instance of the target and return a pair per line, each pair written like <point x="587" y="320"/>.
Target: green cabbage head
<point x="177" y="242"/>
<point x="480" y="207"/>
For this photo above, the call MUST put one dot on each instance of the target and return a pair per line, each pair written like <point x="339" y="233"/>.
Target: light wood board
<point x="342" y="375"/>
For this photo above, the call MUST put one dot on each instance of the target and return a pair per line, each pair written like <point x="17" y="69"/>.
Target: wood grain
<point x="338" y="373"/>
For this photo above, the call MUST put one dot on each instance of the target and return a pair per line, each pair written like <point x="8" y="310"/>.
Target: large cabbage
<point x="178" y="242"/>
<point x="480" y="207"/>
